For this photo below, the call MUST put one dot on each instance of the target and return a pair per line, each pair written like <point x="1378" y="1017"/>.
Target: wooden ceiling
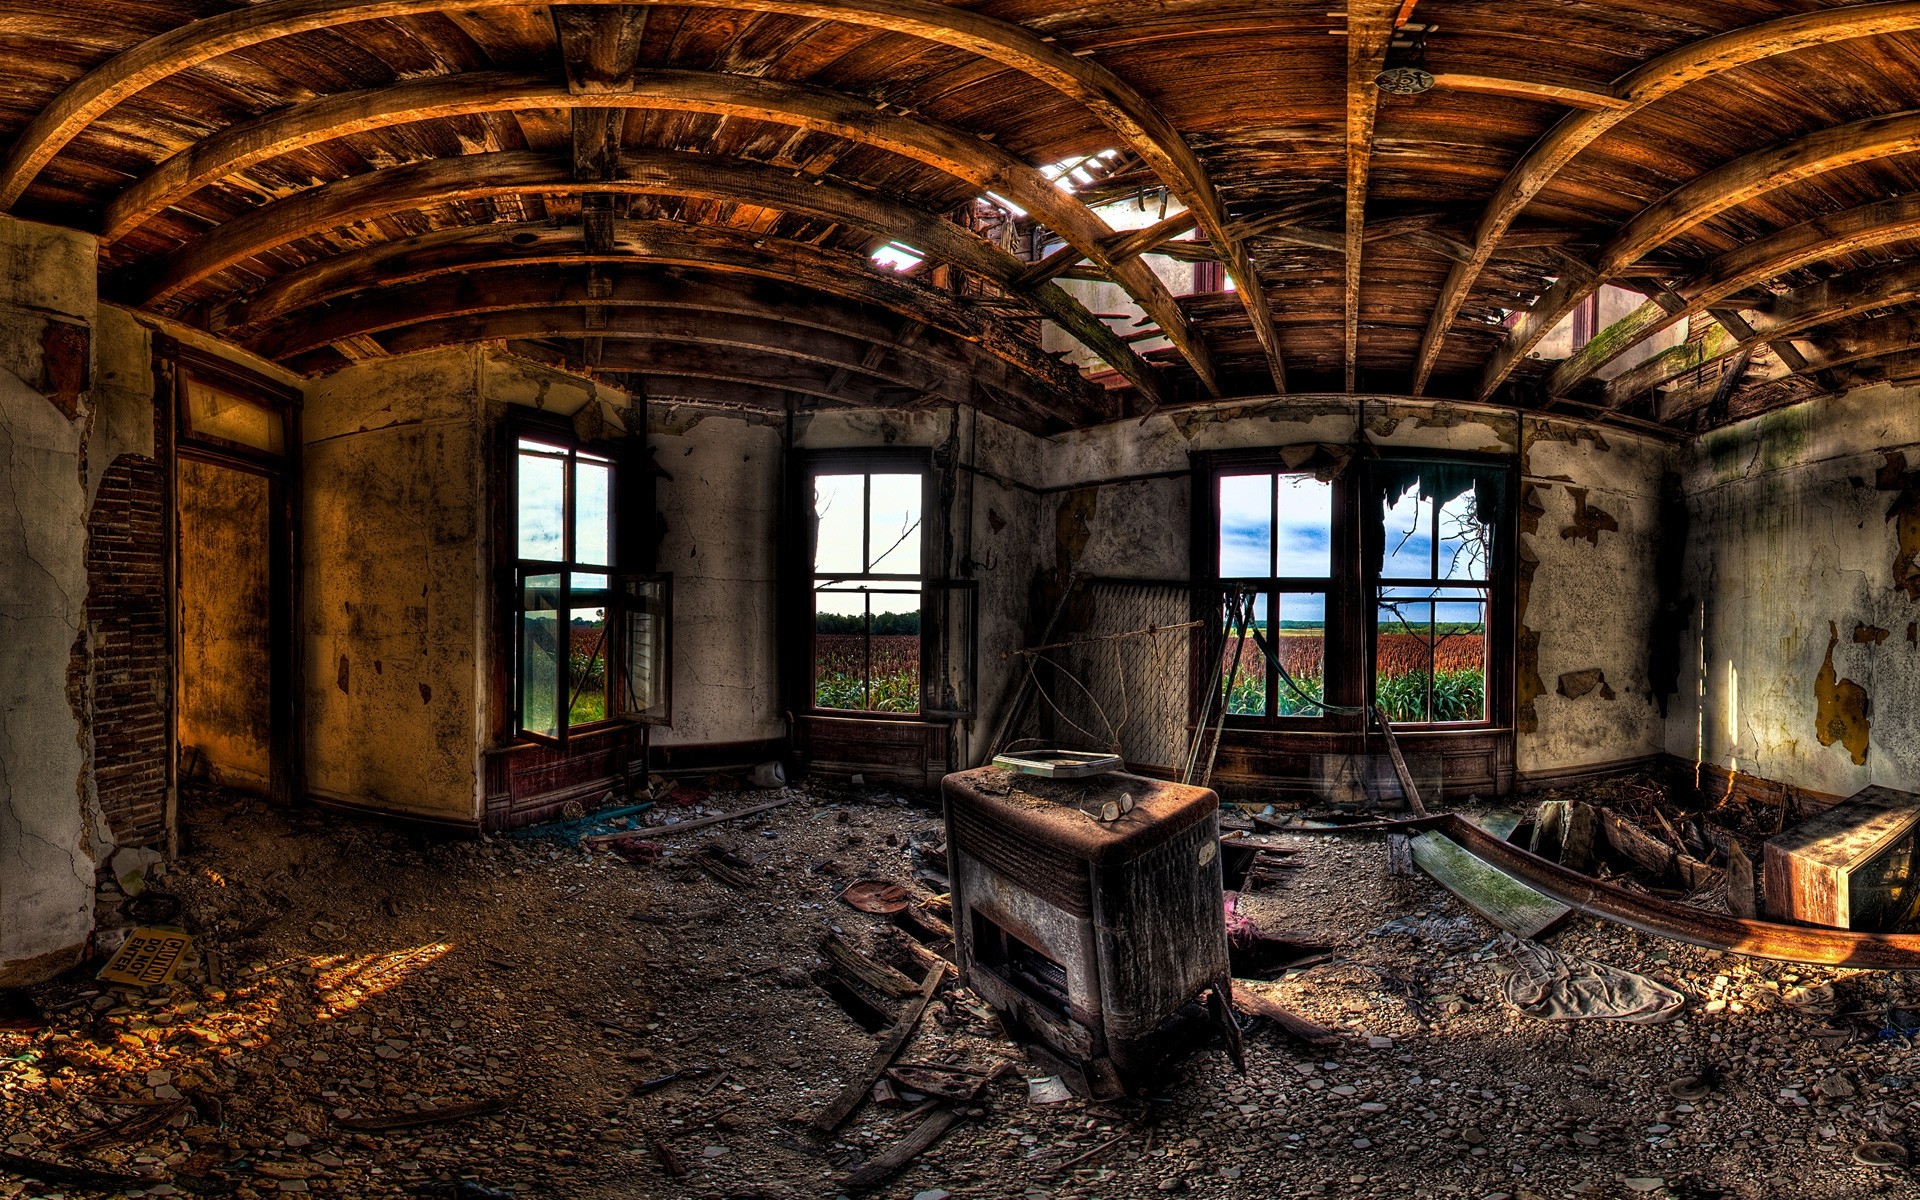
<point x="687" y="195"/>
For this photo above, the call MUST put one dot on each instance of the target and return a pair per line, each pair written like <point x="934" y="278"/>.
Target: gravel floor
<point x="365" y="971"/>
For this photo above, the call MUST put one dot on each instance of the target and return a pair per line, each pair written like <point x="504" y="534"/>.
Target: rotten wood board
<point x="841" y="1107"/>
<point x="1284" y="1019"/>
<point x="848" y="959"/>
<point x="688" y="826"/>
<point x="1489" y="891"/>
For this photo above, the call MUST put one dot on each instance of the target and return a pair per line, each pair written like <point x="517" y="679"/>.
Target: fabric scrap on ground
<point x="1552" y="986"/>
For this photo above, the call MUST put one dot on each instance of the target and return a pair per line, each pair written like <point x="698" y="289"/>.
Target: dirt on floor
<point x="365" y="971"/>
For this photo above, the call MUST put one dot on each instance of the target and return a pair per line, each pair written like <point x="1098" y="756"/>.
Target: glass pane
<point x="592" y="500"/>
<point x="1246" y="526"/>
<point x="1247" y="696"/>
<point x="645" y="645"/>
<point x="1403" y="654"/>
<point x="1408" y="552"/>
<point x="838" y="503"/>
<point x="1460" y="655"/>
<point x="894" y="535"/>
<point x="587" y="650"/>
<point x="217" y="413"/>
<point x="539" y="654"/>
<point x="839" y="649"/>
<point x="542" y="519"/>
<point x="1299" y="641"/>
<point x="1303" y="530"/>
<point x="895" y="681"/>
<point x="1466" y="545"/>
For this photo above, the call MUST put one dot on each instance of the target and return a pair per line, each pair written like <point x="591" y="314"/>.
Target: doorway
<point x="235" y="692"/>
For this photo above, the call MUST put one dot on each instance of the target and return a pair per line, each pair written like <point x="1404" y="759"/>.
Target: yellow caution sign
<point x="148" y="959"/>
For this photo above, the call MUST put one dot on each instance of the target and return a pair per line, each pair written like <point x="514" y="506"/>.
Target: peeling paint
<point x="1589" y="522"/>
<point x="1575" y="684"/>
<point x="1904" y="512"/>
<point x="1869" y="635"/>
<point x="1841" y="706"/>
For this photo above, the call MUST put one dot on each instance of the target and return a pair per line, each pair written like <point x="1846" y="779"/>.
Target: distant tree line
<point x="906" y="624"/>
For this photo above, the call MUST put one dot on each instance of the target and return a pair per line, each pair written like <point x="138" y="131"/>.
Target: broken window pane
<point x="542" y="502"/>
<point x="839" y="509"/>
<point x="592" y="496"/>
<point x="539" y="637"/>
<point x="586" y="650"/>
<point x="1466" y="541"/>
<point x="1408" y="549"/>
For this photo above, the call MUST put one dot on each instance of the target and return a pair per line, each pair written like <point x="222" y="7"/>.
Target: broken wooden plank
<point x="1489" y="891"/>
<point x="1285" y="1019"/>
<point x="80" y="1177"/>
<point x="1566" y="831"/>
<point x="1399" y="856"/>
<point x="841" y="1107"/>
<point x="1407" y="790"/>
<point x="891" y="1161"/>
<point x="1740" y="899"/>
<point x="848" y="959"/>
<point x="689" y="826"/>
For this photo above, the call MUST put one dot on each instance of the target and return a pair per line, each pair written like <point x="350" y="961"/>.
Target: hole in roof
<point x="896" y="256"/>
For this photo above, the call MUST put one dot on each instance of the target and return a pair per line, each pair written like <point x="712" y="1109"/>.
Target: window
<point x="1432" y="592"/>
<point x="867" y="587"/>
<point x="1379" y="580"/>
<point x="590" y="643"/>
<point x="1276" y="547"/>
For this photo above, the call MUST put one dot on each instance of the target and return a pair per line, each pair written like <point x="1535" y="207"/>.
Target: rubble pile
<point x="369" y="1012"/>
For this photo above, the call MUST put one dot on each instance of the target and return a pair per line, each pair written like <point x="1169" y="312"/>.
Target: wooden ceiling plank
<point x="1527" y="89"/>
<point x="1640" y="87"/>
<point x="953" y="151"/>
<point x="655" y="172"/>
<point x="1714" y="192"/>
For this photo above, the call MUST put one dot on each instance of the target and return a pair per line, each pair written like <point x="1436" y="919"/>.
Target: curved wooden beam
<point x="1640" y="87"/>
<point x="1745" y="267"/>
<point x="1370" y="25"/>
<point x="961" y="155"/>
<point x="1726" y="186"/>
<point x="750" y="260"/>
<point x="625" y="324"/>
<point x="650" y="300"/>
<point x="654" y="172"/>
<point x="1116" y="103"/>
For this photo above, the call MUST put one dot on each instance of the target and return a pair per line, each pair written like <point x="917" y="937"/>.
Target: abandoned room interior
<point x="959" y="598"/>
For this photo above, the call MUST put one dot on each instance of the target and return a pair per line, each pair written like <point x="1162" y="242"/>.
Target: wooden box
<point x="1851" y="867"/>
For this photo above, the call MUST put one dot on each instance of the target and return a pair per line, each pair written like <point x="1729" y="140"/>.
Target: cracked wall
<point x="1801" y="570"/>
<point x="46" y="808"/>
<point x="395" y="576"/>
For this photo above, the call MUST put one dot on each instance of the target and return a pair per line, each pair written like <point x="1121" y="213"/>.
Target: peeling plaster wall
<point x="395" y="578"/>
<point x="46" y="807"/>
<point x="1120" y="501"/>
<point x="1801" y="590"/>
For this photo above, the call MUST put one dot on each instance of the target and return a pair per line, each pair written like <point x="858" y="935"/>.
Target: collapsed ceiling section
<point x="779" y="203"/>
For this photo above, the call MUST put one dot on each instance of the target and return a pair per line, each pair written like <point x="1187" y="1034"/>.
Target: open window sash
<point x="643" y="663"/>
<point x="591" y="649"/>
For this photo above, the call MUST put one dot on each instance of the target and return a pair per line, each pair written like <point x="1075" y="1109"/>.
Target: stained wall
<point x="48" y="815"/>
<point x="1801" y="648"/>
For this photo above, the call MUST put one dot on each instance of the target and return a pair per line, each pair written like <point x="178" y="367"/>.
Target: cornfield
<point x="1400" y="684"/>
<point x="840" y="677"/>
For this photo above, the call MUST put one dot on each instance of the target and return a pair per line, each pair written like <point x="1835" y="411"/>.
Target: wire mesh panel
<point x="1113" y="675"/>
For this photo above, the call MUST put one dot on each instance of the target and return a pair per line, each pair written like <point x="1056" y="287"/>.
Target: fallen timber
<point x="1663" y="918"/>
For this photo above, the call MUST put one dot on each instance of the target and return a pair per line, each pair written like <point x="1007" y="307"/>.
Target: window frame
<point x="1352" y="587"/>
<point x="558" y="435"/>
<point x="872" y="461"/>
<point x="1499" y="586"/>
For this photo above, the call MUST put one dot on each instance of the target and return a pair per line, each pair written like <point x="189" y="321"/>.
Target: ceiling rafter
<point x="652" y="172"/>
<point x="1723" y="188"/>
<point x="962" y="155"/>
<point x="1116" y="103"/>
<point x="1640" y="87"/>
<point x="1370" y="26"/>
<point x="751" y="262"/>
<point x="1744" y="267"/>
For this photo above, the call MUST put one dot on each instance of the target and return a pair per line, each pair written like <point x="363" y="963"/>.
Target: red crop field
<point x="839" y="672"/>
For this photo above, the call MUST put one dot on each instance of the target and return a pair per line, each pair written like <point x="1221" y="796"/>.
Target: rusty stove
<point x="1091" y="933"/>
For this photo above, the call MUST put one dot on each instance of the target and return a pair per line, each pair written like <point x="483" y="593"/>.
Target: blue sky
<point x="893" y="506"/>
